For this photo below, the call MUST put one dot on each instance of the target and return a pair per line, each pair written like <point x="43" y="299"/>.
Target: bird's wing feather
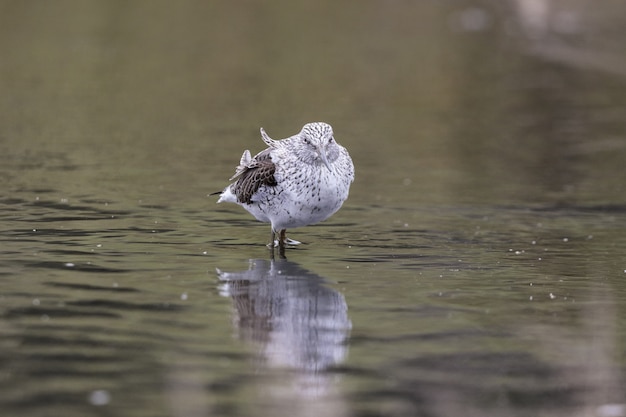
<point x="257" y="172"/>
<point x="244" y="164"/>
<point x="268" y="141"/>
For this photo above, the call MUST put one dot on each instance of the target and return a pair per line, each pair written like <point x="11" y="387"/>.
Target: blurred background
<point x="476" y="269"/>
<point x="465" y="99"/>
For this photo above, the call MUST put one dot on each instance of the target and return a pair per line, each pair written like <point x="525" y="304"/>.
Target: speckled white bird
<point x="298" y="181"/>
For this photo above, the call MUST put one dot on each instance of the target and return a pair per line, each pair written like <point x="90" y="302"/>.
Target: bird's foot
<point x="292" y="242"/>
<point x="287" y="241"/>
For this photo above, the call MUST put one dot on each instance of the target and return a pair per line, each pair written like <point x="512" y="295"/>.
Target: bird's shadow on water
<point x="290" y="317"/>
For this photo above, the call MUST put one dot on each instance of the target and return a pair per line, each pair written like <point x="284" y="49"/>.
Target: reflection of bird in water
<point x="295" y="182"/>
<point x="300" y="323"/>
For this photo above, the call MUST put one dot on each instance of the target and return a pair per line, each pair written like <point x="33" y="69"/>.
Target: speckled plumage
<point x="295" y="182"/>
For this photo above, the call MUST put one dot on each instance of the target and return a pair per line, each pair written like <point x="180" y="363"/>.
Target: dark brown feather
<point x="260" y="172"/>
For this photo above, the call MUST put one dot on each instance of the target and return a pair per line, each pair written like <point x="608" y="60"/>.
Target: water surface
<point x="477" y="268"/>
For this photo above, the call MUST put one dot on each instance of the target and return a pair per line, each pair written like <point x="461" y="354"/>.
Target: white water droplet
<point x="99" y="397"/>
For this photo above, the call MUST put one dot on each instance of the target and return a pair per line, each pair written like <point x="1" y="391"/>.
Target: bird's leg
<point x="281" y="240"/>
<point x="281" y="244"/>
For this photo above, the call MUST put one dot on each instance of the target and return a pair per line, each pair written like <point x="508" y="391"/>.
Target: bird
<point x="297" y="181"/>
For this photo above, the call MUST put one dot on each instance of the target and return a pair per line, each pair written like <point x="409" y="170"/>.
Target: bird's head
<point x="317" y="144"/>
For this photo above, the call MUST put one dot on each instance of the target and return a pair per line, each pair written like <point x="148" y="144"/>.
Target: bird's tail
<point x="226" y="195"/>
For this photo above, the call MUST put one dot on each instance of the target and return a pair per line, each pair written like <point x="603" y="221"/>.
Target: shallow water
<point x="477" y="268"/>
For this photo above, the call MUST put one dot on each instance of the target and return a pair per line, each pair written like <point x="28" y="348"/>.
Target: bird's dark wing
<point x="260" y="171"/>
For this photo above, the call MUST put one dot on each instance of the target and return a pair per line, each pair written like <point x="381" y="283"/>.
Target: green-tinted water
<point x="477" y="268"/>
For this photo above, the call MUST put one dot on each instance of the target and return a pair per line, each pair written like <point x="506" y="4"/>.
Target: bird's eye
<point x="331" y="140"/>
<point x="307" y="141"/>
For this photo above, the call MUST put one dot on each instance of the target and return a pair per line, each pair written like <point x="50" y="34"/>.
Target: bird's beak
<point x="322" y="154"/>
